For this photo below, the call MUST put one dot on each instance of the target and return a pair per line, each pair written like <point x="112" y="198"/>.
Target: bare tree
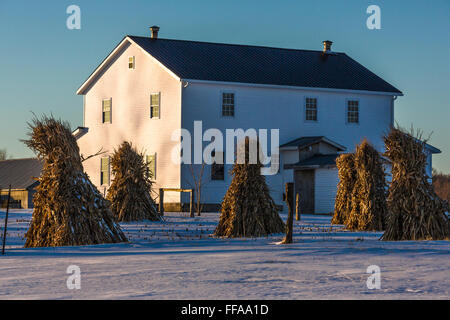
<point x="441" y="184"/>
<point x="197" y="181"/>
<point x="98" y="153"/>
<point x="3" y="154"/>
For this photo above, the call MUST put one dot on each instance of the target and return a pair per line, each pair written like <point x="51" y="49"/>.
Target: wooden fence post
<point x="290" y="219"/>
<point x="191" y="208"/>
<point x="161" y="202"/>
<point x="6" y="221"/>
<point x="199" y="206"/>
<point x="297" y="207"/>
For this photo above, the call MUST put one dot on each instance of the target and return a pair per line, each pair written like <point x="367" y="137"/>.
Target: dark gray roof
<point x="262" y="65"/>
<point x="304" y="142"/>
<point x="320" y="160"/>
<point x="20" y="173"/>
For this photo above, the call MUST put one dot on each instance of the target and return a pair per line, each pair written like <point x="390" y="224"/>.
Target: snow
<point x="178" y="259"/>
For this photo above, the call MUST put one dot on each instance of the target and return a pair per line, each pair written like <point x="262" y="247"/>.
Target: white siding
<point x="130" y="92"/>
<point x="283" y="109"/>
<point x="326" y="181"/>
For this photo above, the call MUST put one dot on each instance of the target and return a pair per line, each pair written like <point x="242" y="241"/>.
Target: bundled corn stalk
<point x="347" y="177"/>
<point x="415" y="211"/>
<point x="129" y="193"/>
<point x="369" y="206"/>
<point x="248" y="210"/>
<point x="68" y="208"/>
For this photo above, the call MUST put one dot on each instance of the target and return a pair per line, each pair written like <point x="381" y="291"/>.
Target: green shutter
<point x="151" y="165"/>
<point x="104" y="174"/>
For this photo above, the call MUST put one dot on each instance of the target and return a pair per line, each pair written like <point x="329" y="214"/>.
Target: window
<point x="155" y="99"/>
<point x="104" y="171"/>
<point x="217" y="167"/>
<point x="106" y="110"/>
<point x="353" y="111"/>
<point x="311" y="109"/>
<point x="151" y="166"/>
<point x="228" y="104"/>
<point x="131" y="63"/>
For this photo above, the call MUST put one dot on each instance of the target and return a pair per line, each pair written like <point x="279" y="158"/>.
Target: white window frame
<point x="110" y="110"/>
<point x="133" y="62"/>
<point x="222" y="104"/>
<point x="159" y="105"/>
<point x="305" y="103"/>
<point x="347" y="112"/>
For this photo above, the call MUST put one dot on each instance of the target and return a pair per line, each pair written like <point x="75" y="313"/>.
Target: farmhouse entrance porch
<point x="310" y="163"/>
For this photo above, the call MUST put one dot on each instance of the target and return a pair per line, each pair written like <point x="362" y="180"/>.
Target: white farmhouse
<point x="323" y="102"/>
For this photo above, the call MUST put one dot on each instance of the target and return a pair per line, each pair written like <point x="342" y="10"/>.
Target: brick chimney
<point x="154" y="32"/>
<point x="327" y="46"/>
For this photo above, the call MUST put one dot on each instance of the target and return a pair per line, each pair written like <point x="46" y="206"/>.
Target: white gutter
<point x="256" y="85"/>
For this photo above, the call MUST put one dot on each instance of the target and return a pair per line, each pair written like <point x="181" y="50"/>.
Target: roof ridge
<point x="235" y="63"/>
<point x="234" y="44"/>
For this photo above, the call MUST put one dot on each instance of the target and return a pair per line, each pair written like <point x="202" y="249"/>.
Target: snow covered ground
<point x="177" y="259"/>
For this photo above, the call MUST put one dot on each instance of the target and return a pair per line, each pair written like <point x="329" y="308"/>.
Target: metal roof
<point x="20" y="173"/>
<point x="262" y="65"/>
<point x="304" y="142"/>
<point x="317" y="161"/>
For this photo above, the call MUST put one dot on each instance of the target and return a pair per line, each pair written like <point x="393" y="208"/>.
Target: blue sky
<point x="42" y="63"/>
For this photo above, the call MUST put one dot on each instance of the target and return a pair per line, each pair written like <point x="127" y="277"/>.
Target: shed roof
<point x="19" y="173"/>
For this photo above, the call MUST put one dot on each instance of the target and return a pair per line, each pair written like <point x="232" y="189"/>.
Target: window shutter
<point x="104" y="175"/>
<point x="151" y="165"/>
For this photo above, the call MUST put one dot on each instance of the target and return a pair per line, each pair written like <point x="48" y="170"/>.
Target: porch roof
<point x="317" y="161"/>
<point x="304" y="142"/>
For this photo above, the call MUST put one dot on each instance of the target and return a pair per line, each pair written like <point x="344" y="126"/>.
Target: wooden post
<point x="6" y="221"/>
<point x="191" y="207"/>
<point x="297" y="207"/>
<point x="161" y="202"/>
<point x="199" y="206"/>
<point x="290" y="219"/>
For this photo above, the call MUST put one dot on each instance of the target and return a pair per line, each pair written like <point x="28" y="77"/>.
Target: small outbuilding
<point x="22" y="175"/>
